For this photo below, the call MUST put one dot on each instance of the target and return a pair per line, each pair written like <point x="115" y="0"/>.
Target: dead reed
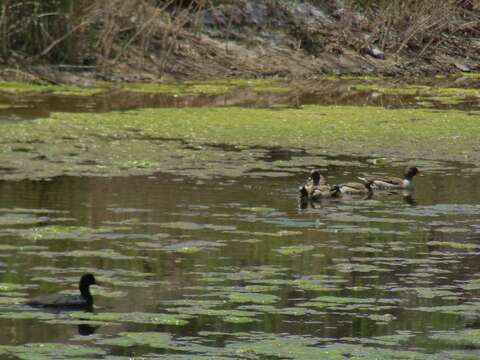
<point x="86" y="32"/>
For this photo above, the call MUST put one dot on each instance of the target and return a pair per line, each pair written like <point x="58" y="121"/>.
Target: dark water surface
<point x="232" y="268"/>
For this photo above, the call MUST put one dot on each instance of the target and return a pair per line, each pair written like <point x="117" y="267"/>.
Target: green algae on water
<point x="150" y="339"/>
<point x="307" y="348"/>
<point x="256" y="298"/>
<point x="21" y="219"/>
<point x="106" y="138"/>
<point x="469" y="337"/>
<point x="135" y="317"/>
<point x="294" y="250"/>
<point x="52" y="351"/>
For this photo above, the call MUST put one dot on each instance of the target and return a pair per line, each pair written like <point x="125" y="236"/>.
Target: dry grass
<point x="410" y="25"/>
<point x="169" y="34"/>
<point x="85" y="32"/>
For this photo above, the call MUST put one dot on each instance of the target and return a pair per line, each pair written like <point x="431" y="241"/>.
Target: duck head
<point x="411" y="171"/>
<point x="87" y="280"/>
<point x="316" y="177"/>
<point x="84" y="285"/>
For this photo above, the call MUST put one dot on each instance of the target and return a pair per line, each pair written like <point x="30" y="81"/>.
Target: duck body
<point x="61" y="301"/>
<point x="355" y="188"/>
<point x="388" y="183"/>
<point x="84" y="300"/>
<point x="316" y="188"/>
<point x="316" y="182"/>
<point x="392" y="182"/>
<point x="325" y="192"/>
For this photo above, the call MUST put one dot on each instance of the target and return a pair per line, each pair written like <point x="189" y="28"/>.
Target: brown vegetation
<point x="204" y="38"/>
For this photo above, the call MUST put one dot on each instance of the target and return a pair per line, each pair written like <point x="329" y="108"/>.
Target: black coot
<point x="84" y="300"/>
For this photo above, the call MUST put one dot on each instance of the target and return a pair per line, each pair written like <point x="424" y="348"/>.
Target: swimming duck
<point x="85" y="300"/>
<point x="391" y="182"/>
<point x="355" y="188"/>
<point x="325" y="192"/>
<point x="322" y="192"/>
<point x="316" y="181"/>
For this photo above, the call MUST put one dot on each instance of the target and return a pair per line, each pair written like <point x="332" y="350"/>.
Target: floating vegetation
<point x="4" y="300"/>
<point x="430" y="293"/>
<point x="256" y="298"/>
<point x="135" y="317"/>
<point x="56" y="232"/>
<point x="151" y="339"/>
<point x="470" y="337"/>
<point x="469" y="309"/>
<point x="191" y="247"/>
<point x="51" y="351"/>
<point x="294" y="250"/>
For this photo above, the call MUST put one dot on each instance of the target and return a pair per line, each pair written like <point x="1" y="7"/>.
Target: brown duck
<point x="355" y="188"/>
<point x="317" y="188"/>
<point x="392" y="182"/>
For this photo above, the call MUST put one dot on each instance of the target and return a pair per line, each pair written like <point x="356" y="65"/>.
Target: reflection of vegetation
<point x="208" y="87"/>
<point x="20" y="87"/>
<point x="423" y="93"/>
<point x="393" y="89"/>
<point x="184" y="88"/>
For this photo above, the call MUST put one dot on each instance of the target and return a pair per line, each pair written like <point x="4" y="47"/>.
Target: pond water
<point x="232" y="267"/>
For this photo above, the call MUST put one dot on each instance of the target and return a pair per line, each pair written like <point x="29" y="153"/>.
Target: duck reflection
<point x="408" y="198"/>
<point x="86" y="329"/>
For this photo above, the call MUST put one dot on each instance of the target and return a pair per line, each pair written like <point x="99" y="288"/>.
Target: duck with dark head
<point x="84" y="300"/>
<point x="391" y="182"/>
<point x="316" y="188"/>
<point x="315" y="181"/>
